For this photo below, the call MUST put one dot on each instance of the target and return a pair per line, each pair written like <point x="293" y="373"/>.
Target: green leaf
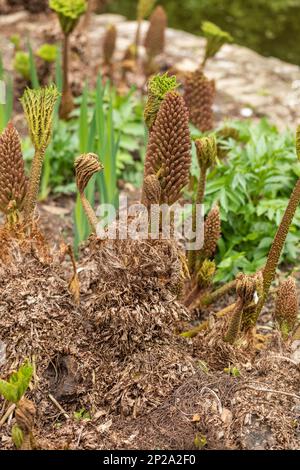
<point x="17" y="384"/>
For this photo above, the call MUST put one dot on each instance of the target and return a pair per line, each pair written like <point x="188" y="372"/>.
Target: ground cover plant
<point x="125" y="342"/>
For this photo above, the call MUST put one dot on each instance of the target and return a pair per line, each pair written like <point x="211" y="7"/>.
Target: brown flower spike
<point x="169" y="149"/>
<point x="109" y="44"/>
<point x="155" y="38"/>
<point x="286" y="309"/>
<point x="212" y="233"/>
<point x="199" y="95"/>
<point x="13" y="183"/>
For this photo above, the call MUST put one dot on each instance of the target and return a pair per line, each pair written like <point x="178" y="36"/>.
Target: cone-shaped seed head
<point x="286" y="309"/>
<point x="215" y="38"/>
<point x="206" y="273"/>
<point x="151" y="190"/>
<point x="69" y="12"/>
<point x="109" y="43"/>
<point x="13" y="182"/>
<point x="212" y="232"/>
<point x="155" y="38"/>
<point x="199" y="94"/>
<point x="144" y="8"/>
<point x="206" y="151"/>
<point x="158" y="87"/>
<point x="169" y="149"/>
<point x="86" y="166"/>
<point x="38" y="107"/>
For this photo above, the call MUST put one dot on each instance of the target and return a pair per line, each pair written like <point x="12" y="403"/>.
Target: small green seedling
<point x="82" y="414"/>
<point x="17" y="384"/>
<point x="232" y="370"/>
<point x="200" y="441"/>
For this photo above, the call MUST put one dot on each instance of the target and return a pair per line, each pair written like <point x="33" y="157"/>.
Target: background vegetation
<point x="271" y="27"/>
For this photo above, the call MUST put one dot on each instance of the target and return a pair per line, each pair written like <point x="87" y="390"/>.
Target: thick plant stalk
<point x="67" y="102"/>
<point x="207" y="157"/>
<point x="235" y="324"/>
<point x="86" y="166"/>
<point x="69" y="13"/>
<point x="34" y="183"/>
<point x="38" y="106"/>
<point x="199" y="200"/>
<point x="13" y="183"/>
<point x="198" y="299"/>
<point x="269" y="270"/>
<point x="287" y="306"/>
<point x="144" y="7"/>
<point x="205" y="324"/>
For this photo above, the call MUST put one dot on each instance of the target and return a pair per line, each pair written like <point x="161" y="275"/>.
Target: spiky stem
<point x="67" y="104"/>
<point x="277" y="246"/>
<point x="199" y="200"/>
<point x="34" y="183"/>
<point x="205" y="324"/>
<point x="235" y="323"/>
<point x="209" y="298"/>
<point x="89" y="211"/>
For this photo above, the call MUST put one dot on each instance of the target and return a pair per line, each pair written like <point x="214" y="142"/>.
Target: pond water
<point x="271" y="27"/>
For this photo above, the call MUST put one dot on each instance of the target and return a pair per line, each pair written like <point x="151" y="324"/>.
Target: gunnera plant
<point x="199" y="95"/>
<point x="69" y="13"/>
<point x="168" y="155"/>
<point x="268" y="272"/>
<point x="13" y="182"/>
<point x="215" y="39"/>
<point x="207" y="156"/>
<point x="38" y="107"/>
<point x="144" y="8"/>
<point x="273" y="258"/>
<point x="247" y="288"/>
<point x="158" y="87"/>
<point x="287" y="306"/>
<point x="155" y="38"/>
<point x="109" y="44"/>
<point x="86" y="166"/>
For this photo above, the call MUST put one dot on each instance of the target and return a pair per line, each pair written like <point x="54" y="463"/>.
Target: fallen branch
<point x="55" y="402"/>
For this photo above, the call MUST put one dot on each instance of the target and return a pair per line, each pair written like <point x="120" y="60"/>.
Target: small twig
<point x="55" y="402"/>
<point x="267" y="390"/>
<point x="9" y="411"/>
